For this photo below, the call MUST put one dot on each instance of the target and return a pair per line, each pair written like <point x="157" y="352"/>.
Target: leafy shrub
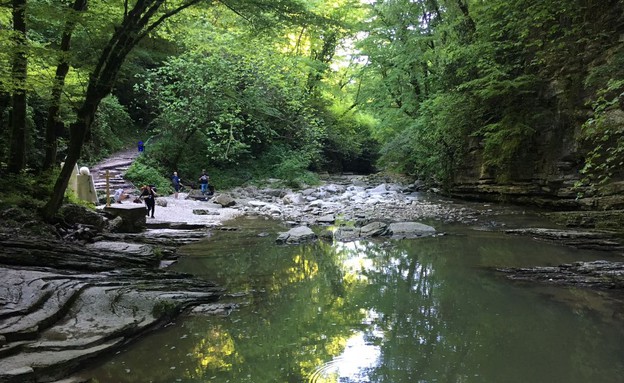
<point x="602" y="136"/>
<point x="433" y="145"/>
<point x="26" y="191"/>
<point x="141" y="174"/>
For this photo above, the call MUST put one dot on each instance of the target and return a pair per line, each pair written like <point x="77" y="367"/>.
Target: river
<point x="397" y="311"/>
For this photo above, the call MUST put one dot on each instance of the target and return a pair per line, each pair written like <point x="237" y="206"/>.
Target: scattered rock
<point x="205" y="212"/>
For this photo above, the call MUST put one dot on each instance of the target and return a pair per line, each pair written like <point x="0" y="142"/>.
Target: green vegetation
<point x="440" y="90"/>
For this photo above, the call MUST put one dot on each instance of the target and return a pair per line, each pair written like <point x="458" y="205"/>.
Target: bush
<point x="140" y="175"/>
<point x="26" y="191"/>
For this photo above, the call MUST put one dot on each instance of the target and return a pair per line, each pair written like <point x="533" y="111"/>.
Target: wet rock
<point x="374" y="229"/>
<point x="596" y="274"/>
<point x="221" y="309"/>
<point x="64" y="304"/>
<point x="138" y="250"/>
<point x="296" y="235"/>
<point x="346" y="233"/>
<point x="62" y="255"/>
<point x="410" y="230"/>
<point x="582" y="239"/>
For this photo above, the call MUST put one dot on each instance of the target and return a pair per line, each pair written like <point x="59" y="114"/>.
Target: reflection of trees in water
<point x="432" y="315"/>
<point x="408" y="291"/>
<point x="443" y="320"/>
<point x="302" y="319"/>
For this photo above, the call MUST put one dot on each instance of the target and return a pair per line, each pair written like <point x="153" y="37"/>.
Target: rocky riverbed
<point x="83" y="289"/>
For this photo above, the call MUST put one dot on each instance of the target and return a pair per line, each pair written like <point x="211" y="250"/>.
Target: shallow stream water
<point x="396" y="311"/>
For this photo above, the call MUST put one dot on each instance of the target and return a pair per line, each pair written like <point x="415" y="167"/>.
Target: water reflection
<point x="426" y="310"/>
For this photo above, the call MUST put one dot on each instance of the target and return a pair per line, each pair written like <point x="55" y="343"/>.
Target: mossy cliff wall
<point x="575" y="159"/>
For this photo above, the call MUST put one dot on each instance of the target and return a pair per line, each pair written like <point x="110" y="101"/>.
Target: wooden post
<point x="107" y="190"/>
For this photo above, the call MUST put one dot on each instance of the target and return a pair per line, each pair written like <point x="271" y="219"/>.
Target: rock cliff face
<point x="547" y="167"/>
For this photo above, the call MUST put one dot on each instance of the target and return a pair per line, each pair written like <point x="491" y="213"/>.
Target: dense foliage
<point x="459" y="78"/>
<point x="444" y="90"/>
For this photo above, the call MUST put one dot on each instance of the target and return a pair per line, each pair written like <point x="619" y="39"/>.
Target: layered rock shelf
<point x="62" y="305"/>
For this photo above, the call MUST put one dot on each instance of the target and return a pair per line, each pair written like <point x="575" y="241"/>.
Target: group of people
<point x="148" y="192"/>
<point x="203" y="183"/>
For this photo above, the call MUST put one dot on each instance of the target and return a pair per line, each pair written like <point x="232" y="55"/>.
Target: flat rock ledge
<point x="596" y="274"/>
<point x="582" y="239"/>
<point x="62" y="305"/>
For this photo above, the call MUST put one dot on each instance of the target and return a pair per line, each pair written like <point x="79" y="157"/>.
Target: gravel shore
<point x="183" y="210"/>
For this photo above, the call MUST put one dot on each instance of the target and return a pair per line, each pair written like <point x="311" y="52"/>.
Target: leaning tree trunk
<point x="135" y="25"/>
<point x="53" y="123"/>
<point x="17" y="155"/>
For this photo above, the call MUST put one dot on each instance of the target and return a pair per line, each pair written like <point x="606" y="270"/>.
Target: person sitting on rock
<point x="119" y="195"/>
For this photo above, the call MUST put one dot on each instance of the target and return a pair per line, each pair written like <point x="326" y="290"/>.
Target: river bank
<point x="68" y="301"/>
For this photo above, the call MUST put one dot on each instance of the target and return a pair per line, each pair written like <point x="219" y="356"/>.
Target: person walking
<point x="203" y="181"/>
<point x="149" y="196"/>
<point x="177" y="183"/>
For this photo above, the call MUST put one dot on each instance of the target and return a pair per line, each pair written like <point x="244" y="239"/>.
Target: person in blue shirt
<point x="203" y="181"/>
<point x="177" y="183"/>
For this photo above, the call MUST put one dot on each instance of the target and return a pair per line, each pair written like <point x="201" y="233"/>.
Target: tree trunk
<point x="17" y="155"/>
<point x="135" y="26"/>
<point x="53" y="122"/>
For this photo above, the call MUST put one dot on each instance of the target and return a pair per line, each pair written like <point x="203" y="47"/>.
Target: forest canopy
<point x="445" y="91"/>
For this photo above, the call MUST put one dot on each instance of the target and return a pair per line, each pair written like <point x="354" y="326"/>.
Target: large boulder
<point x="132" y="216"/>
<point x="75" y="214"/>
<point x="374" y="229"/>
<point x="296" y="235"/>
<point x="224" y="200"/>
<point x="347" y="233"/>
<point x="410" y="230"/>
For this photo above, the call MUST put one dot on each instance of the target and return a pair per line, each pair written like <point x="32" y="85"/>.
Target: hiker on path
<point x="177" y="183"/>
<point x="149" y="196"/>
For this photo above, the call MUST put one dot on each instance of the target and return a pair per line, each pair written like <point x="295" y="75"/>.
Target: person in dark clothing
<point x="203" y="181"/>
<point x="149" y="196"/>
